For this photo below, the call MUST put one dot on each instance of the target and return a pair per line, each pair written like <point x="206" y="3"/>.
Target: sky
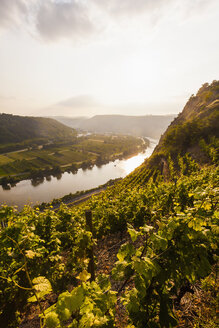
<point x="88" y="57"/>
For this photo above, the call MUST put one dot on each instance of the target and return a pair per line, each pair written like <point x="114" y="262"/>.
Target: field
<point x="83" y="152"/>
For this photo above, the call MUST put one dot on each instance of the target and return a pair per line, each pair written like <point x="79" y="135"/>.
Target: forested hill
<point x="14" y="128"/>
<point x="190" y="140"/>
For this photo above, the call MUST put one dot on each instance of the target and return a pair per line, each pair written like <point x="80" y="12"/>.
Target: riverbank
<point x="78" y="197"/>
<point x="54" y="160"/>
<point x="28" y="192"/>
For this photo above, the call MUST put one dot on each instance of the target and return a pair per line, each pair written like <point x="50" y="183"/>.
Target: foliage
<point x="192" y="136"/>
<point x="14" y="129"/>
<point x="178" y="244"/>
<point x="173" y="227"/>
<point x="168" y="206"/>
<point x="88" y="305"/>
<point x="38" y="244"/>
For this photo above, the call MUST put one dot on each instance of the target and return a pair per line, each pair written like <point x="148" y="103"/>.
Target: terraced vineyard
<point x="163" y="221"/>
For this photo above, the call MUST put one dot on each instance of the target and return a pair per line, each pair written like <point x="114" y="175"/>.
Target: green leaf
<point x="30" y="254"/>
<point x="159" y="242"/>
<point x="70" y="302"/>
<point x="41" y="284"/>
<point x="87" y="307"/>
<point x="144" y="267"/>
<point x="141" y="285"/>
<point x="121" y="271"/>
<point x="77" y="298"/>
<point x="126" y="251"/>
<point x="87" y="320"/>
<point x="42" y="287"/>
<point x="73" y="324"/>
<point x="146" y="228"/>
<point x="104" y="282"/>
<point x="100" y="321"/>
<point x="84" y="276"/>
<point x="132" y="301"/>
<point x="65" y="314"/>
<point x="132" y="232"/>
<point x="52" y="320"/>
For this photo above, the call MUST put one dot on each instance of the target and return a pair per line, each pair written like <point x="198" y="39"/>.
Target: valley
<point x="57" y="157"/>
<point x="41" y="190"/>
<point x="109" y="164"/>
<point x="134" y="255"/>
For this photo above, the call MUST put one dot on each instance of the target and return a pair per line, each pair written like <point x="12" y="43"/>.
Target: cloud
<point x="129" y="7"/>
<point x="53" y="20"/>
<point x="193" y="8"/>
<point x="80" y="101"/>
<point x="80" y="19"/>
<point x="64" y="19"/>
<point x="12" y="12"/>
<point x="81" y="105"/>
<point x="56" y="19"/>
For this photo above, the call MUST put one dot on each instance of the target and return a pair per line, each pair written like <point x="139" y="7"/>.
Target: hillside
<point x="16" y="129"/>
<point x="190" y="140"/>
<point x="197" y="123"/>
<point x="142" y="254"/>
<point x="149" y="125"/>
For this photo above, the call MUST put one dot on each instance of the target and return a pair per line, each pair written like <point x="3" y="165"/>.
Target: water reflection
<point x="58" y="176"/>
<point x="6" y="187"/>
<point x="133" y="162"/>
<point x="44" y="190"/>
<point x="37" y="181"/>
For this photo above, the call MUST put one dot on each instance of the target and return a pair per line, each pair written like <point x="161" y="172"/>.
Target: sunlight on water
<point x="27" y="193"/>
<point x="133" y="162"/>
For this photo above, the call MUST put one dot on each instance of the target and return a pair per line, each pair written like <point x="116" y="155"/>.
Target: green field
<point x="4" y="159"/>
<point x="83" y="152"/>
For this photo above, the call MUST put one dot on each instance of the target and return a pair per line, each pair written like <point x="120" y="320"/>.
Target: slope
<point x="189" y="142"/>
<point x="168" y="232"/>
<point x="15" y="129"/>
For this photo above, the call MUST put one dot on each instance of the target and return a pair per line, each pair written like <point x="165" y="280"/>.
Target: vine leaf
<point x="132" y="232"/>
<point x="52" y="320"/>
<point x="84" y="276"/>
<point x="42" y="287"/>
<point x="30" y="254"/>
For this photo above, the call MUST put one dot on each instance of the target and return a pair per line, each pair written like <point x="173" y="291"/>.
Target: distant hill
<point x="150" y="125"/>
<point x="72" y="122"/>
<point x="190" y="140"/>
<point x="15" y="129"/>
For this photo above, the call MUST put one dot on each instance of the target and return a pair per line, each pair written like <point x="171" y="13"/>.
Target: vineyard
<point x="172" y="244"/>
<point x="141" y="254"/>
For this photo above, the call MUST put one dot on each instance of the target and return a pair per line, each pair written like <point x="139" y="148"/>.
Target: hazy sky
<point x="85" y="57"/>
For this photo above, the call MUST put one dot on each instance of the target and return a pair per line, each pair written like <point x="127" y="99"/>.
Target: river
<point x="26" y="193"/>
